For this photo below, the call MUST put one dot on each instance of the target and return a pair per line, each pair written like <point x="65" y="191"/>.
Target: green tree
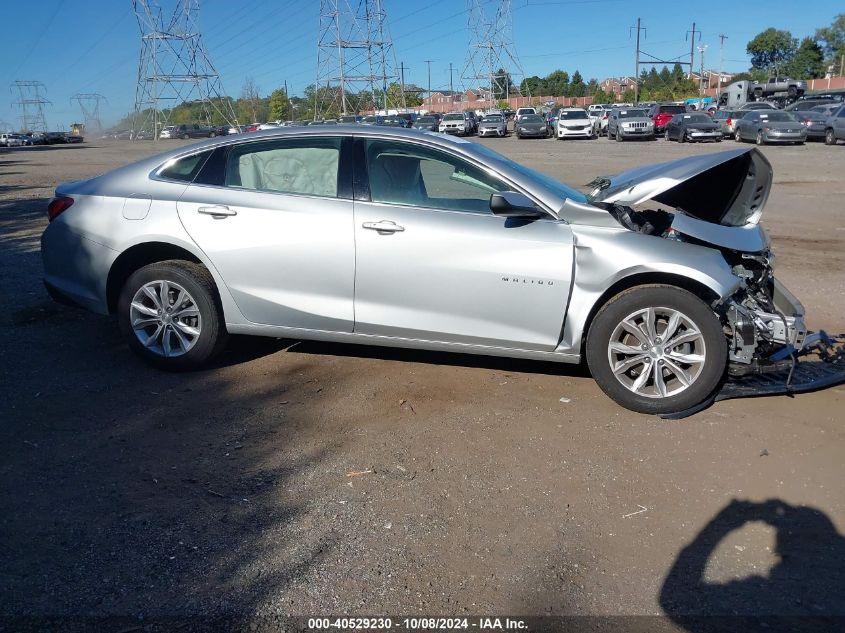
<point x="592" y="87"/>
<point x="808" y="62"/>
<point x="556" y="84"/>
<point x="279" y="106"/>
<point x="531" y="86"/>
<point x="833" y="39"/>
<point x="628" y="96"/>
<point x="600" y="96"/>
<point x="771" y="50"/>
<point x="503" y="85"/>
<point x="577" y="87"/>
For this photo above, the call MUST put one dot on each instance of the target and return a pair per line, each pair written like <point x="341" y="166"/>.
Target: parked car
<point x="624" y="123"/>
<point x="808" y="103"/>
<point x="168" y="132"/>
<point x="393" y="121"/>
<point x="662" y="113"/>
<point x="573" y="123"/>
<point x="814" y="122"/>
<point x="827" y="108"/>
<point x="409" y="118"/>
<point x="658" y="320"/>
<point x="456" y="123"/>
<point x="758" y="105"/>
<point x="427" y="123"/>
<point x="191" y="130"/>
<point x="521" y="112"/>
<point x="55" y="138"/>
<point x="531" y="126"/>
<point x="792" y="87"/>
<point x="9" y="139"/>
<point x="351" y="119"/>
<point x="373" y="119"/>
<point x="493" y="125"/>
<point x="690" y="127"/>
<point x="835" y="127"/>
<point x="727" y="119"/>
<point x="770" y="126"/>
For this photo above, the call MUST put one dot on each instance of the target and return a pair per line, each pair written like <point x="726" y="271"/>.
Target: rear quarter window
<point x="186" y="168"/>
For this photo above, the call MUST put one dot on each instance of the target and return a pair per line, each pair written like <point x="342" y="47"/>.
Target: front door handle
<point x="217" y="211"/>
<point x="383" y="226"/>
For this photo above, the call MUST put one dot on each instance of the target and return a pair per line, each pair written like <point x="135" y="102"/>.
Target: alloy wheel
<point x="165" y="318"/>
<point x="657" y="352"/>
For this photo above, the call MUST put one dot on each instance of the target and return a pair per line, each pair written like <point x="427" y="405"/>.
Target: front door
<point x="433" y="263"/>
<point x="279" y="231"/>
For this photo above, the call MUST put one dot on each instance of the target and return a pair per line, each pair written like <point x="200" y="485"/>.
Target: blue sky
<point x="93" y="45"/>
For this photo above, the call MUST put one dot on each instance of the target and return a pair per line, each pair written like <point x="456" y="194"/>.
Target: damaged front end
<point x="716" y="200"/>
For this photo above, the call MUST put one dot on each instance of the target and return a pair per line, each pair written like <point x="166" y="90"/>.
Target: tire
<point x="830" y="137"/>
<point x="618" y="136"/>
<point x="212" y="135"/>
<point x="666" y="135"/>
<point x="682" y="136"/>
<point x="185" y="137"/>
<point x="737" y="136"/>
<point x="792" y="92"/>
<point x="759" y="138"/>
<point x="206" y="315"/>
<point x="695" y="317"/>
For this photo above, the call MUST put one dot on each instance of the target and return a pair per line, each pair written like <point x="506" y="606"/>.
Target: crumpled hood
<point x="728" y="188"/>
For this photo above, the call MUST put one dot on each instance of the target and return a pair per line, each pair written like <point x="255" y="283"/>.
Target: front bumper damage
<point x="819" y="363"/>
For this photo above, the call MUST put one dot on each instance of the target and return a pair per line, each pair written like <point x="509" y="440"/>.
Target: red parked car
<point x="662" y="113"/>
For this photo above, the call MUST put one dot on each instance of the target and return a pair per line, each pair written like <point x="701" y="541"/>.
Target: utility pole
<point x="451" y="84"/>
<point x="354" y="52"/>
<point x="637" y="60"/>
<point x="31" y="103"/>
<point x="428" y="63"/>
<point x="701" y="50"/>
<point x="174" y="67"/>
<point x="402" y="78"/>
<point x="722" y="39"/>
<point x="692" y="47"/>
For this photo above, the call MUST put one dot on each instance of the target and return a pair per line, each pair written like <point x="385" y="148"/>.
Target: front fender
<point x="606" y="256"/>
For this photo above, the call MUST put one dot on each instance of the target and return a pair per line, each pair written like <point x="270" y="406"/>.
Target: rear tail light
<point x="57" y="206"/>
<point x="728" y="122"/>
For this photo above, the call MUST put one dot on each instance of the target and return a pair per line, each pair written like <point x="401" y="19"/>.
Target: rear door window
<point x="307" y="166"/>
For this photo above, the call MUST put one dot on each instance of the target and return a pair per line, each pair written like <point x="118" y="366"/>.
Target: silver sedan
<point x="493" y="125"/>
<point x="410" y="239"/>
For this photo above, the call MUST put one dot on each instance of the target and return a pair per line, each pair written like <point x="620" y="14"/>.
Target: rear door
<point x="275" y="218"/>
<point x="433" y="263"/>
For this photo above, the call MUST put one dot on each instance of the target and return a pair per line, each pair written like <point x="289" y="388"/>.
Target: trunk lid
<point x="728" y="188"/>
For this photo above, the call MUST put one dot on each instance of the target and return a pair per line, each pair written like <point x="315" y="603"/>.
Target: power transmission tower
<point x="491" y="60"/>
<point x="89" y="103"/>
<point x="691" y="35"/>
<point x="31" y="102"/>
<point x="354" y="53"/>
<point x="174" y="68"/>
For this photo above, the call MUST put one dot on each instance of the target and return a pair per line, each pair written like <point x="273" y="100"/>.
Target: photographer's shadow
<point x="804" y="590"/>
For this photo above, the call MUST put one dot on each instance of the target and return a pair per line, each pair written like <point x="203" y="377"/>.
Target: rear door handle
<point x="217" y="211"/>
<point x="383" y="226"/>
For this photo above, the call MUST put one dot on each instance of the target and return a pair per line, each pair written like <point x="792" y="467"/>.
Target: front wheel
<point x="830" y="137"/>
<point x="759" y="138"/>
<point x="657" y="349"/>
<point x="170" y="315"/>
<point x="666" y="135"/>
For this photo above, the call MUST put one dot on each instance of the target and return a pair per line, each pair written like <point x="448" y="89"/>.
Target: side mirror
<point x="511" y="204"/>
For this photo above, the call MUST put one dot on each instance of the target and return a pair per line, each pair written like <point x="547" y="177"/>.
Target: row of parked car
<point x="24" y="139"/>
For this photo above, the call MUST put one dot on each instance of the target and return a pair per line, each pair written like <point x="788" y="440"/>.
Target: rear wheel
<point x="170" y="315"/>
<point x="657" y="349"/>
<point x="759" y="138"/>
<point x="618" y="135"/>
<point x="830" y="137"/>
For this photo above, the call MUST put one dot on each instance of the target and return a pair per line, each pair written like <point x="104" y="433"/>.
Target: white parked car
<point x="10" y="140"/>
<point x="168" y="132"/>
<point x="574" y="123"/>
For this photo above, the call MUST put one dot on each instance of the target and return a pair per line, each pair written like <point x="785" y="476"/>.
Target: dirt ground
<point x="303" y="478"/>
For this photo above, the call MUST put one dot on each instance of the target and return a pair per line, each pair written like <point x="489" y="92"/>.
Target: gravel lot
<point x="303" y="478"/>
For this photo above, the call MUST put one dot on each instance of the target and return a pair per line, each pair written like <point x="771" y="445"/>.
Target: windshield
<point x="672" y="109"/>
<point x="426" y="119"/>
<point x="566" y="115"/>
<point x="556" y="187"/>
<point x="697" y="118"/>
<point x="631" y="114"/>
<point x="777" y="116"/>
<point x="453" y="117"/>
<point x="493" y="118"/>
<point x="370" y="119"/>
<point x="532" y="118"/>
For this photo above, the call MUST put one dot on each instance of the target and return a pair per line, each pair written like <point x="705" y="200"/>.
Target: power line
<point x="89" y="103"/>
